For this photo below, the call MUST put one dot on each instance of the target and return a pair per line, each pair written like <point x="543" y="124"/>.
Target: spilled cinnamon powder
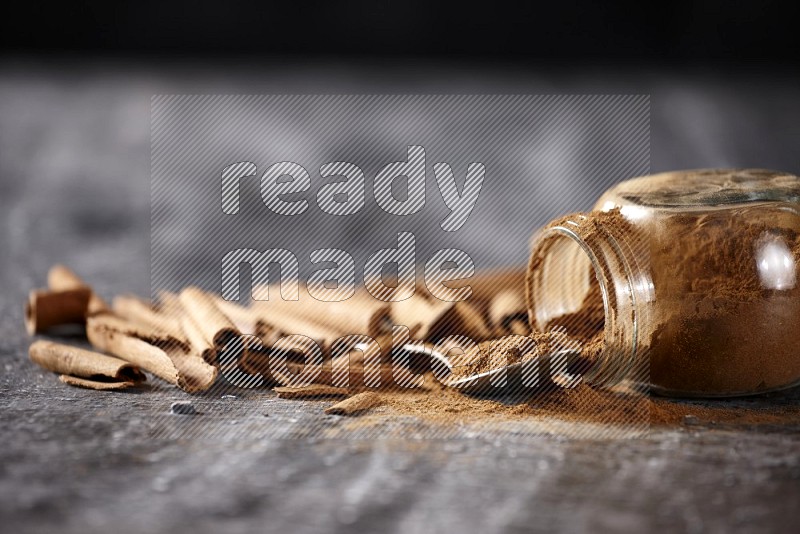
<point x="445" y="406"/>
<point x="580" y="331"/>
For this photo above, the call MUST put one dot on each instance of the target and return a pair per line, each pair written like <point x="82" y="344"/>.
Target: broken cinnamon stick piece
<point x="216" y="327"/>
<point x="308" y="392"/>
<point x="94" y="384"/>
<point x="46" y="309"/>
<point x="355" y="404"/>
<point x="62" y="278"/>
<point x="197" y="341"/>
<point x="76" y="362"/>
<point x="194" y="374"/>
<point x="103" y="336"/>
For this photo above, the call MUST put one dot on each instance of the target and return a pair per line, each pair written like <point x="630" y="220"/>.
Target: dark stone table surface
<point x="74" y="189"/>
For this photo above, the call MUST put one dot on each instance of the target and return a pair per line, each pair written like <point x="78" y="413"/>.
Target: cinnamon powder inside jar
<point x="728" y="304"/>
<point x="720" y="311"/>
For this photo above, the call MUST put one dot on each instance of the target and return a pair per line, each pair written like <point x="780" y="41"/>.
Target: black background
<point x="708" y="31"/>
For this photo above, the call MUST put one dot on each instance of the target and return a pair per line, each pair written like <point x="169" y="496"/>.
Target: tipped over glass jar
<point x="690" y="279"/>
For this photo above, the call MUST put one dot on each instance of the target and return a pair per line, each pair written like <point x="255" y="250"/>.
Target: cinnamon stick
<point x="216" y="327"/>
<point x="170" y="361"/>
<point x="150" y="334"/>
<point x="359" y="314"/>
<point x="92" y="369"/>
<point x="135" y="309"/>
<point x="244" y="318"/>
<point x="431" y="319"/>
<point x="197" y="341"/>
<point x="46" y="309"/>
<point x="62" y="278"/>
<point x="109" y="337"/>
<point x="282" y="321"/>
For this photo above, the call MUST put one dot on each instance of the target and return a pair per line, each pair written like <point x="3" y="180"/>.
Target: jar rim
<point x="611" y="367"/>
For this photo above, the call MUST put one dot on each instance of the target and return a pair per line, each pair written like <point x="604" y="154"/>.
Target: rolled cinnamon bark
<point x="85" y="364"/>
<point x="285" y="324"/>
<point x="244" y="318"/>
<point x="62" y="278"/>
<point x="281" y="321"/>
<point x="46" y="309"/>
<point x="359" y="314"/>
<point x="150" y="334"/>
<point x="429" y="318"/>
<point x="355" y="404"/>
<point x="109" y="337"/>
<point x="170" y="361"/>
<point x="94" y="384"/>
<point x="194" y="374"/>
<point x="135" y="309"/>
<point x="197" y="341"/>
<point x="216" y="327"/>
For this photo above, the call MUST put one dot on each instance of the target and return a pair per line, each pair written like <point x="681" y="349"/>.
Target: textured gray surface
<point x="74" y="189"/>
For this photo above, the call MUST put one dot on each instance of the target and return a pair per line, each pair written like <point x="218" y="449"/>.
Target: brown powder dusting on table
<point x="583" y="404"/>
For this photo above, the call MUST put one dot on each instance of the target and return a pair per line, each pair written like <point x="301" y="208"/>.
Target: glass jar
<point x="694" y="274"/>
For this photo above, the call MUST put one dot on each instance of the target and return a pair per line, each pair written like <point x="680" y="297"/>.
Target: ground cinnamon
<point x="719" y="329"/>
<point x="708" y="298"/>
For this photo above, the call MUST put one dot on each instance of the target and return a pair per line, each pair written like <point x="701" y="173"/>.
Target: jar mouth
<point x="571" y="287"/>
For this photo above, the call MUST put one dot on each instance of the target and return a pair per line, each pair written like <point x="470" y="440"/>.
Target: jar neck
<point x="580" y="263"/>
